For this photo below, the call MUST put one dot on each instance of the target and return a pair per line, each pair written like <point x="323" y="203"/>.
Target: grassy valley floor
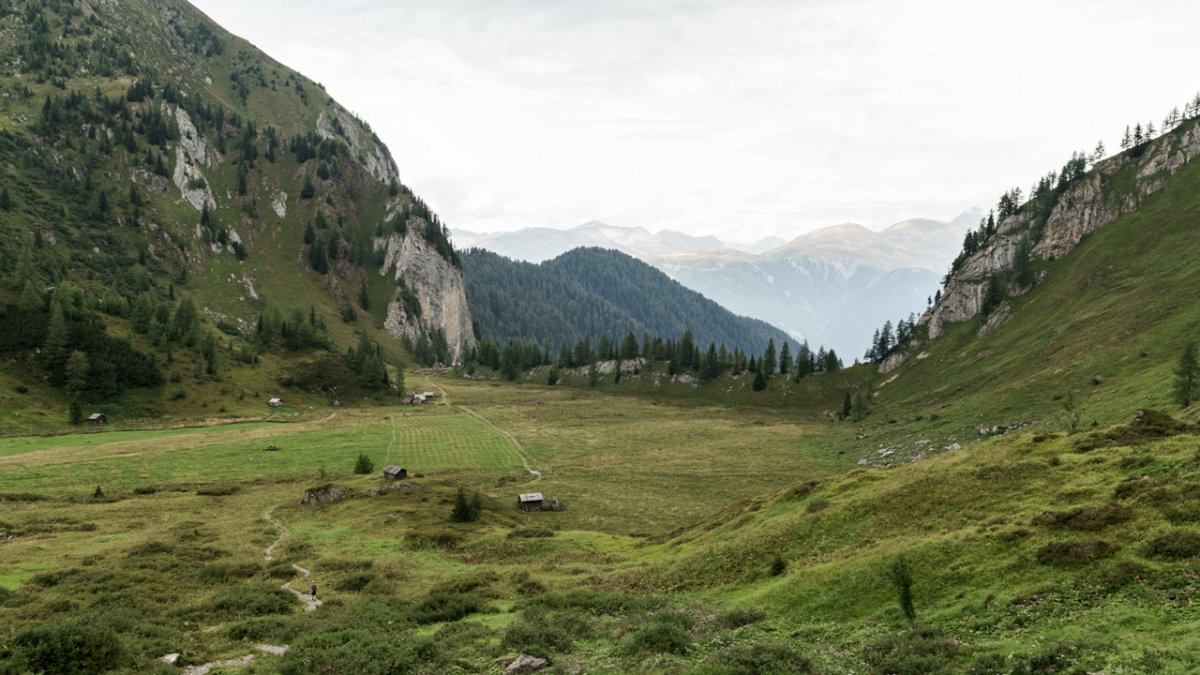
<point x="696" y="537"/>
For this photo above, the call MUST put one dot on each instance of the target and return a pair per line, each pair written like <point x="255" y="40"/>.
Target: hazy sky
<point x="741" y="118"/>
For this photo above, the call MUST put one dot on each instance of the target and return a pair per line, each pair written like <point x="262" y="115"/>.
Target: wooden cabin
<point x="98" y="418"/>
<point x="531" y="501"/>
<point x="394" y="472"/>
<point x="275" y="403"/>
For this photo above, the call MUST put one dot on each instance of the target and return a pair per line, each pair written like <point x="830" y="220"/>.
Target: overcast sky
<point x="742" y="118"/>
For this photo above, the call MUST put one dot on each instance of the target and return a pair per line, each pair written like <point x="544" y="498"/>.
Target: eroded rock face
<point x="1080" y="211"/>
<point x="324" y="494"/>
<point x="438" y="285"/>
<point x="191" y="153"/>
<point x="371" y="155"/>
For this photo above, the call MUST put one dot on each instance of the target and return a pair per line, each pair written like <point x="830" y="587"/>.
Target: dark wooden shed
<point x="530" y="501"/>
<point x="98" y="418"/>
<point x="395" y="472"/>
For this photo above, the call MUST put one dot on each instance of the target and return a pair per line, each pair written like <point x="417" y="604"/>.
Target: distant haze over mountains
<point x="832" y="286"/>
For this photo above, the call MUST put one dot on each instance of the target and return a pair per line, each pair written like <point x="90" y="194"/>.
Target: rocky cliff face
<point x="438" y="285"/>
<point x="1093" y="202"/>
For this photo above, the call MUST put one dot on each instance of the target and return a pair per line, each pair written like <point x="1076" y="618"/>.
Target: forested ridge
<point x="589" y="292"/>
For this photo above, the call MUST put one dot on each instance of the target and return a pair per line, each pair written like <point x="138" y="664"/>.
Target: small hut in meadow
<point x="275" y="403"/>
<point x="393" y="472"/>
<point x="98" y="418"/>
<point x="530" y="501"/>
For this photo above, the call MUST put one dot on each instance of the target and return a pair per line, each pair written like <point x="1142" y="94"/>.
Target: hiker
<point x="314" y="591"/>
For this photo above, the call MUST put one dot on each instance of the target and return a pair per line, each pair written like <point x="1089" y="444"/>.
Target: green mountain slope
<point x="590" y="292"/>
<point x="151" y="159"/>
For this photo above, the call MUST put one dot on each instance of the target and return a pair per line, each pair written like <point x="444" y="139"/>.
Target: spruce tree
<point x="902" y="579"/>
<point x="364" y="465"/>
<point x="1187" y="376"/>
<point x="847" y="406"/>
<point x="760" y="382"/>
<point x="768" y="359"/>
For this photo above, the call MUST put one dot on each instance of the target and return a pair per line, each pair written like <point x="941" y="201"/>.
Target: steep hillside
<point x="1074" y="311"/>
<point x="591" y="292"/>
<point x="152" y="160"/>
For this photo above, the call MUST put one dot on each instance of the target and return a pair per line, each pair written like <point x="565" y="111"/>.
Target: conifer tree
<point x="767" y="363"/>
<point x="1187" y="376"/>
<point x="760" y="382"/>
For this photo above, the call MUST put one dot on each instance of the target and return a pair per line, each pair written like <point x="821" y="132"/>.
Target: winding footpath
<point x="310" y="603"/>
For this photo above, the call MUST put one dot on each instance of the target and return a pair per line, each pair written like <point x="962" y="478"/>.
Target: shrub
<point x="433" y="538"/>
<point x="591" y="602"/>
<point x="346" y="565"/>
<point x="69" y="647"/>
<point x="254" y="601"/>
<point x="1175" y="545"/>
<point x="736" y="618"/>
<point x="816" y="505"/>
<point x="659" y="637"/>
<point x="355" y="582"/>
<point x="1113" y="576"/>
<point x="1085" y="518"/>
<point x="223" y="572"/>
<point x="144" y="490"/>
<point x="281" y="570"/>
<point x="537" y="634"/>
<point x="902" y="579"/>
<point x="1074" y="553"/>
<point x="778" y="565"/>
<point x="357" y="651"/>
<point x="918" y="650"/>
<point x="758" y="659"/>
<point x="445" y="607"/>
<point x="263" y="628"/>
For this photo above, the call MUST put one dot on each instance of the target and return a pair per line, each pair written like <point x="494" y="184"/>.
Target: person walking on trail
<point x="314" y="590"/>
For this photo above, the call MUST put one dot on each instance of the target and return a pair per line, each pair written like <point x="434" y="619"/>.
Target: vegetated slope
<point x="590" y="292"/>
<point x="1100" y="331"/>
<point x="150" y="159"/>
<point x="1059" y="554"/>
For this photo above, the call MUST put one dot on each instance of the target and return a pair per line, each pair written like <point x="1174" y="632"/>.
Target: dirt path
<point x="310" y="603"/>
<point x="521" y="452"/>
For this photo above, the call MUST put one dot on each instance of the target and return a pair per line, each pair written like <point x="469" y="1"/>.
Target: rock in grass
<point x="525" y="664"/>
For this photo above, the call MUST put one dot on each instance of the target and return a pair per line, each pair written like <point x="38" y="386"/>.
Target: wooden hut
<point x="394" y="472"/>
<point x="530" y="501"/>
<point x="98" y="418"/>
<point x="275" y="403"/>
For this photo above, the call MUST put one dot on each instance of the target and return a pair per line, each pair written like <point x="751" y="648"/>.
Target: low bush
<point x="592" y="602"/>
<point x="263" y="628"/>
<point x="68" y="647"/>
<point x="355" y="582"/>
<point x="281" y="570"/>
<point x="218" y="490"/>
<point x="445" y="607"/>
<point x="736" y="618"/>
<point x="358" y="651"/>
<point x="535" y="633"/>
<point x="757" y="659"/>
<point x="254" y="601"/>
<point x="1113" y="576"/>
<point x="1074" y="553"/>
<point x="659" y="637"/>
<point x="346" y="565"/>
<point x="1174" y="545"/>
<point x="1085" y="518"/>
<point x="919" y="650"/>
<point x="223" y="572"/>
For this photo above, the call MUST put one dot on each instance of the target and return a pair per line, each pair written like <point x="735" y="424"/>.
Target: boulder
<point x="525" y="664"/>
<point x="323" y="494"/>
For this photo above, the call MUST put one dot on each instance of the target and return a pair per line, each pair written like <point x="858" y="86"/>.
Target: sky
<point x="741" y="119"/>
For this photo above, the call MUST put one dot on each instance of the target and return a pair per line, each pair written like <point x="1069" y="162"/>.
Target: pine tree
<point x="847" y="406"/>
<point x="760" y="382"/>
<point x="76" y="412"/>
<point x="768" y="359"/>
<point x="364" y="465"/>
<point x="552" y="376"/>
<point x="364" y="299"/>
<point x="1187" y="376"/>
<point x="77" y="369"/>
<point x="54" y="347"/>
<point x="463" y="511"/>
<point x="5" y="199"/>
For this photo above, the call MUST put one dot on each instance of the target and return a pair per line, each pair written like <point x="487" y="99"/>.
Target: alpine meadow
<point x="259" y="415"/>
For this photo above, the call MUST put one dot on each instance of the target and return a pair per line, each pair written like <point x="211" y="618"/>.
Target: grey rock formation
<point x="525" y="664"/>
<point x="324" y="494"/>
<point x="343" y="126"/>
<point x="1080" y="211"/>
<point x="437" y="284"/>
<point x="191" y="153"/>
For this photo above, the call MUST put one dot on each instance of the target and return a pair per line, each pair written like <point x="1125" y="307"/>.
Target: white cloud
<point x="763" y="116"/>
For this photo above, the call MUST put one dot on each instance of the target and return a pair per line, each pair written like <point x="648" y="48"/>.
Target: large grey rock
<point x="324" y="494"/>
<point x="525" y="664"/>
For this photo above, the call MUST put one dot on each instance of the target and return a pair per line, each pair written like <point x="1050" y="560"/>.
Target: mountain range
<point x="831" y="286"/>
